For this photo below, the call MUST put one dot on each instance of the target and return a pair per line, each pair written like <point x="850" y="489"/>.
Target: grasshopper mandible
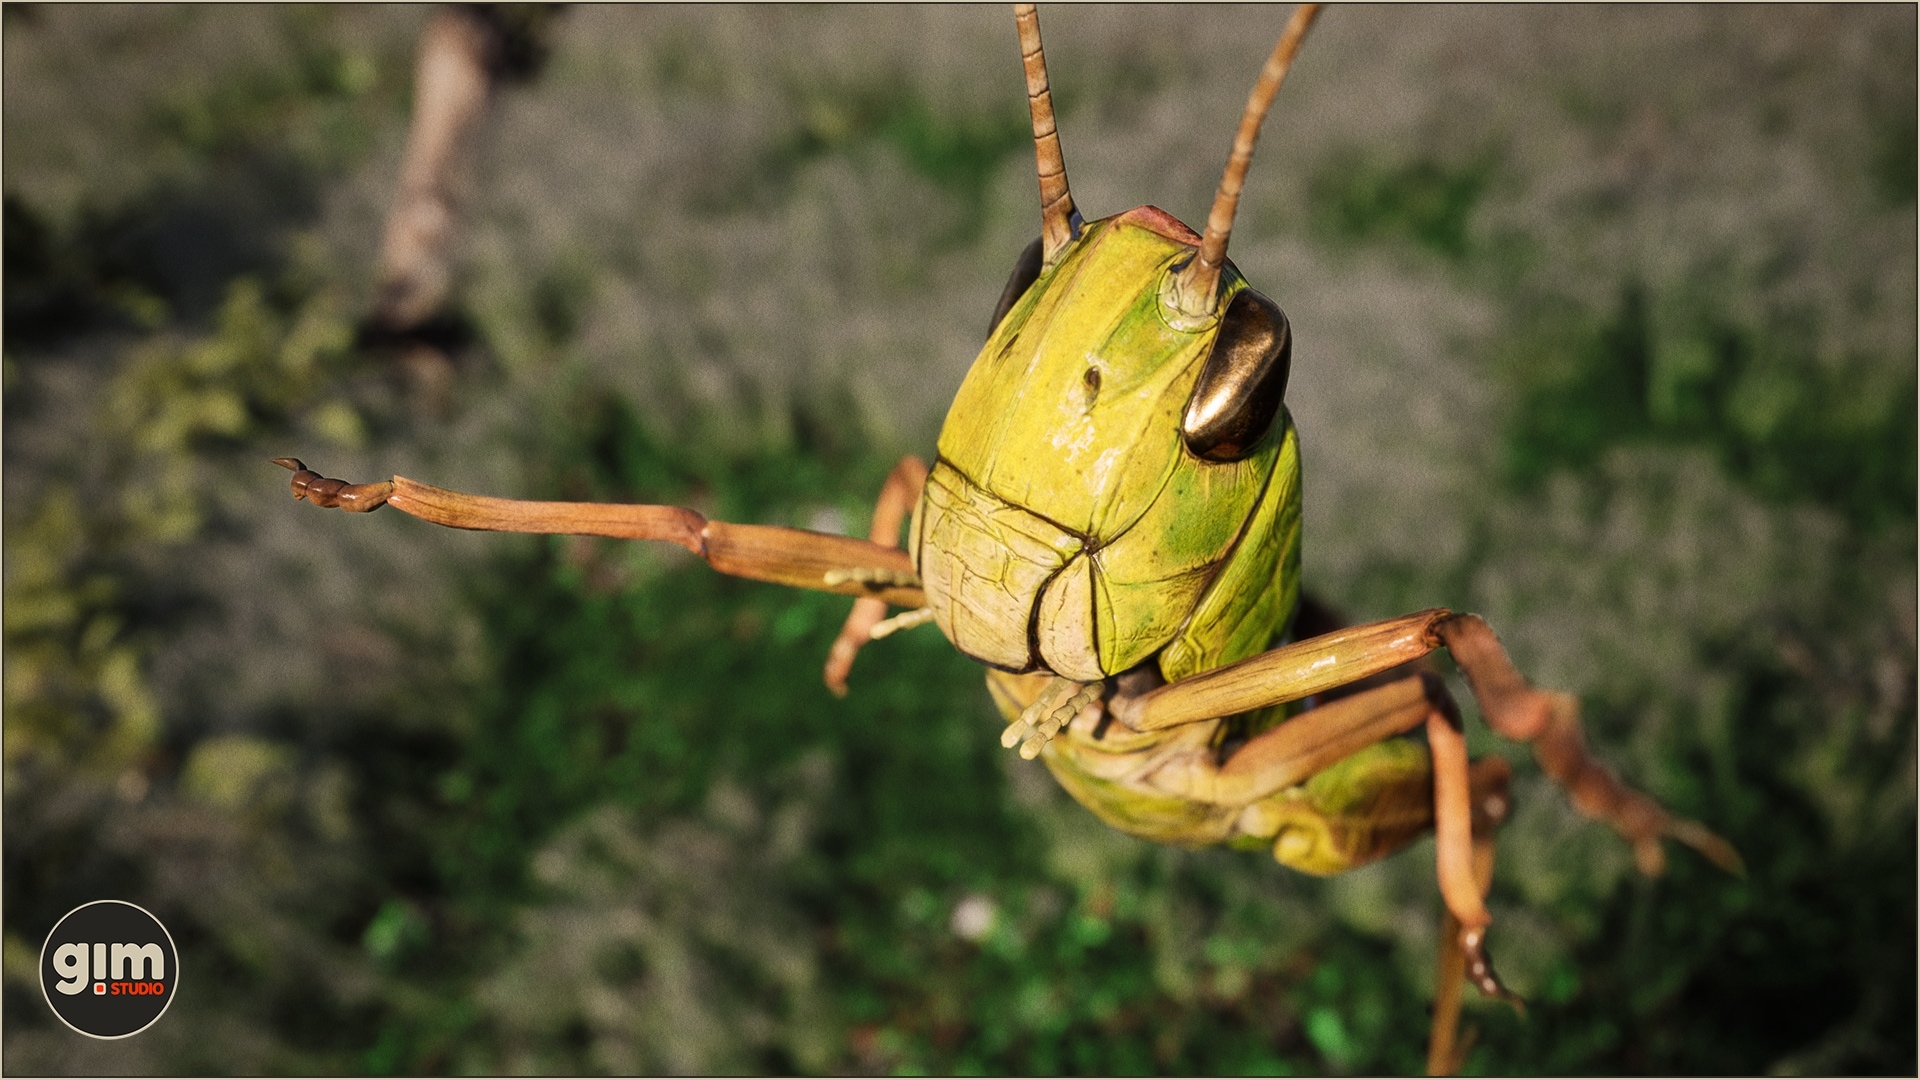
<point x="1112" y="525"/>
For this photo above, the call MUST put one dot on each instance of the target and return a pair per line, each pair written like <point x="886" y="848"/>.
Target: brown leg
<point x="1446" y="1050"/>
<point x="796" y="557"/>
<point x="1453" y="823"/>
<point x="1316" y="739"/>
<point x="1512" y="707"/>
<point x="1456" y="850"/>
<point x="1302" y="746"/>
<point x="1316" y="618"/>
<point x="897" y="497"/>
<point x="1467" y="805"/>
<point x="1288" y="673"/>
<point x="1551" y="721"/>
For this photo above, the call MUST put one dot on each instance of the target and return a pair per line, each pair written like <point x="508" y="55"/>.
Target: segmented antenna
<point x="1194" y="289"/>
<point x="1058" y="220"/>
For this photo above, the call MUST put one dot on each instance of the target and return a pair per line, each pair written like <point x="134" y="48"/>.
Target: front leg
<point x="797" y="557"/>
<point x="897" y="498"/>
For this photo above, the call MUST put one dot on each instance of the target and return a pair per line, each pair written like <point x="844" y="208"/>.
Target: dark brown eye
<point x="1240" y="389"/>
<point x="1025" y="272"/>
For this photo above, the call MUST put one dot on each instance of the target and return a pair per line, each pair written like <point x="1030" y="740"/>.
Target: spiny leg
<point x="796" y="557"/>
<point x="1512" y="706"/>
<point x="1455" y="849"/>
<point x="1303" y="746"/>
<point x="1333" y="791"/>
<point x="1551" y="721"/>
<point x="1446" y="1050"/>
<point x="1318" y="738"/>
<point x="1288" y="673"/>
<point x="897" y="497"/>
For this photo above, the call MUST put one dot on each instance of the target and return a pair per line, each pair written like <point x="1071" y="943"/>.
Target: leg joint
<point x="1435" y="689"/>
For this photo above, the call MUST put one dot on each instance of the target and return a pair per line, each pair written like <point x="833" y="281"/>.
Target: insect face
<point x="1103" y="457"/>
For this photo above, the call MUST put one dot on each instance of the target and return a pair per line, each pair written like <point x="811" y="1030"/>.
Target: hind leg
<point x="1512" y="706"/>
<point x="1334" y="790"/>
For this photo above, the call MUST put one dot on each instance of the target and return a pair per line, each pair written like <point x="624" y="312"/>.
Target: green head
<point x="1118" y="478"/>
<point x="1107" y="459"/>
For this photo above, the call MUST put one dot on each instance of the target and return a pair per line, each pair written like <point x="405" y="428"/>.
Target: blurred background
<point x="1605" y="329"/>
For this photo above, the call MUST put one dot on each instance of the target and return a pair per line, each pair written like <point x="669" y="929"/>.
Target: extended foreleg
<point x="796" y="557"/>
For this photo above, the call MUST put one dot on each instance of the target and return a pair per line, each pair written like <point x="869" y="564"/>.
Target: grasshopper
<point x="1112" y="526"/>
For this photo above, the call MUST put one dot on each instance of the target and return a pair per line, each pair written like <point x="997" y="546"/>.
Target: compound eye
<point x="1026" y="271"/>
<point x="1243" y="382"/>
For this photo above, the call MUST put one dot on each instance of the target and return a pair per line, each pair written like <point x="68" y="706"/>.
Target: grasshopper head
<point x="1103" y="456"/>
<point x="1119" y="437"/>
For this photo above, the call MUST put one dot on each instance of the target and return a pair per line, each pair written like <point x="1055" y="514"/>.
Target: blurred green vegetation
<point x="565" y="805"/>
<point x="1422" y="201"/>
<point x="958" y="152"/>
<point x="1776" y="417"/>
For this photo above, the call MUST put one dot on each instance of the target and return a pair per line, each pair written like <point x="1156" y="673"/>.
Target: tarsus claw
<point x="320" y="491"/>
<point x="1480" y="971"/>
